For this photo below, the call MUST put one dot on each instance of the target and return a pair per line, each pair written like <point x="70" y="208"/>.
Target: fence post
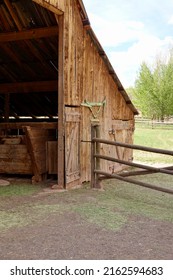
<point x="95" y="162"/>
<point x="97" y="182"/>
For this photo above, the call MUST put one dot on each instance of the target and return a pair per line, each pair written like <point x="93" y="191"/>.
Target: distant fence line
<point x="154" y="124"/>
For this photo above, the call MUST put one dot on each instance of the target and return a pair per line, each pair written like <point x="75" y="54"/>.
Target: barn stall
<point x="55" y="82"/>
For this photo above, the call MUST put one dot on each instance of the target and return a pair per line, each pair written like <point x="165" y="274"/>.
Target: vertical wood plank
<point x="98" y="165"/>
<point x="72" y="146"/>
<point x="37" y="177"/>
<point x="7" y="107"/>
<point x="92" y="156"/>
<point x="61" y="113"/>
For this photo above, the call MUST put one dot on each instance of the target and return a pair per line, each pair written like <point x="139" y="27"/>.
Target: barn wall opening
<point x="28" y="89"/>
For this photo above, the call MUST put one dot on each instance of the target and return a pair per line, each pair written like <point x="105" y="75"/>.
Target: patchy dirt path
<point x="74" y="225"/>
<point x="70" y="237"/>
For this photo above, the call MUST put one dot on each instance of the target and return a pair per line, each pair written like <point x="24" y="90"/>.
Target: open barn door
<point x="72" y="147"/>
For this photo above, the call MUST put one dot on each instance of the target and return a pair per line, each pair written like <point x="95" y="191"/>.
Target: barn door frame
<point x="61" y="106"/>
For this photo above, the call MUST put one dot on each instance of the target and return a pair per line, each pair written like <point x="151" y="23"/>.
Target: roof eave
<point x="87" y="25"/>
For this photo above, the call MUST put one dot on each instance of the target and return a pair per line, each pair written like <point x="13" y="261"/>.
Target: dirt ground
<point x="50" y="225"/>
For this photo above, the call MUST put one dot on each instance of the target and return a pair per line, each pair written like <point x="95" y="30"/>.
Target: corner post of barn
<point x="61" y="106"/>
<point x="95" y="149"/>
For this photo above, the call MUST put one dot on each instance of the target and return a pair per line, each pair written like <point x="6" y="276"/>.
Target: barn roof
<point x="29" y="59"/>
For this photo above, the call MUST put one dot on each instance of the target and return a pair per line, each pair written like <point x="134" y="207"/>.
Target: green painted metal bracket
<point x="90" y="105"/>
<point x="94" y="104"/>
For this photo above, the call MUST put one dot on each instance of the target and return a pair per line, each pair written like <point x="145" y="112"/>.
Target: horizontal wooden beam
<point x="141" y="172"/>
<point x="20" y="125"/>
<point x="134" y="147"/>
<point x="29" y="34"/>
<point x="132" y="181"/>
<point x="129" y="163"/>
<point x="27" y="87"/>
<point x="48" y="6"/>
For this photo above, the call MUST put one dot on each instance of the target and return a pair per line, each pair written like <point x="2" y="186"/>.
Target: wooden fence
<point x="152" y="124"/>
<point x="97" y="174"/>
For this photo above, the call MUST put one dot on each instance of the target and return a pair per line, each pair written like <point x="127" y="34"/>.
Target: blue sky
<point x="132" y="31"/>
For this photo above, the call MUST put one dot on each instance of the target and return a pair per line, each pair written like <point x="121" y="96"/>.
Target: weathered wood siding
<point x="74" y="54"/>
<point x="59" y="4"/>
<point x="36" y="140"/>
<point x="51" y="158"/>
<point x="116" y="118"/>
<point x="87" y="78"/>
<point x="14" y="159"/>
<point x="72" y="144"/>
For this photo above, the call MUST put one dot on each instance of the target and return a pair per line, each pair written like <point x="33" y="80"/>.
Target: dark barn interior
<point x="28" y="88"/>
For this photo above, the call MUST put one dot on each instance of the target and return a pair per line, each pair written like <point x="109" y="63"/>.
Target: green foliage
<point x="153" y="92"/>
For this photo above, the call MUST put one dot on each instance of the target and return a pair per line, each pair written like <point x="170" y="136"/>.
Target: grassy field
<point x="109" y="209"/>
<point x="99" y="208"/>
<point x="156" y="138"/>
<point x="26" y="205"/>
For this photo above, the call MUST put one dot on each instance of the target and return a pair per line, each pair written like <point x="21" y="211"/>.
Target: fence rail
<point x="97" y="174"/>
<point x="144" y="123"/>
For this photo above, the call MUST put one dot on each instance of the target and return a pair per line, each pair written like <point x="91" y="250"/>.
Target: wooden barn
<point x="55" y="81"/>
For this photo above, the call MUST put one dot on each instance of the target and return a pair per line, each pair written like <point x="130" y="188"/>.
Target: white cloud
<point x="131" y="32"/>
<point x="126" y="63"/>
<point x="113" y="33"/>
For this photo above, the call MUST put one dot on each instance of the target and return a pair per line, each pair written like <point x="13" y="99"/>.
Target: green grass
<point x="156" y="138"/>
<point x="110" y="209"/>
<point x="101" y="215"/>
<point x="130" y="199"/>
<point x="18" y="190"/>
<point x="29" y="214"/>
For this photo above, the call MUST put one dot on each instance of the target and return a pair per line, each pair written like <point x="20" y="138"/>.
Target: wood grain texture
<point x="15" y="159"/>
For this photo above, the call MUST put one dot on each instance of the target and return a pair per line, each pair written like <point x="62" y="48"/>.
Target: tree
<point x="153" y="92"/>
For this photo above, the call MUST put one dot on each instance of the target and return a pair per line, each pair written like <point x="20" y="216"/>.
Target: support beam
<point x="61" y="113"/>
<point x="30" y="146"/>
<point x="27" y="87"/>
<point x="48" y="6"/>
<point x="7" y="107"/>
<point x="13" y="14"/>
<point x="34" y="50"/>
<point x="29" y="34"/>
<point x="21" y="124"/>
